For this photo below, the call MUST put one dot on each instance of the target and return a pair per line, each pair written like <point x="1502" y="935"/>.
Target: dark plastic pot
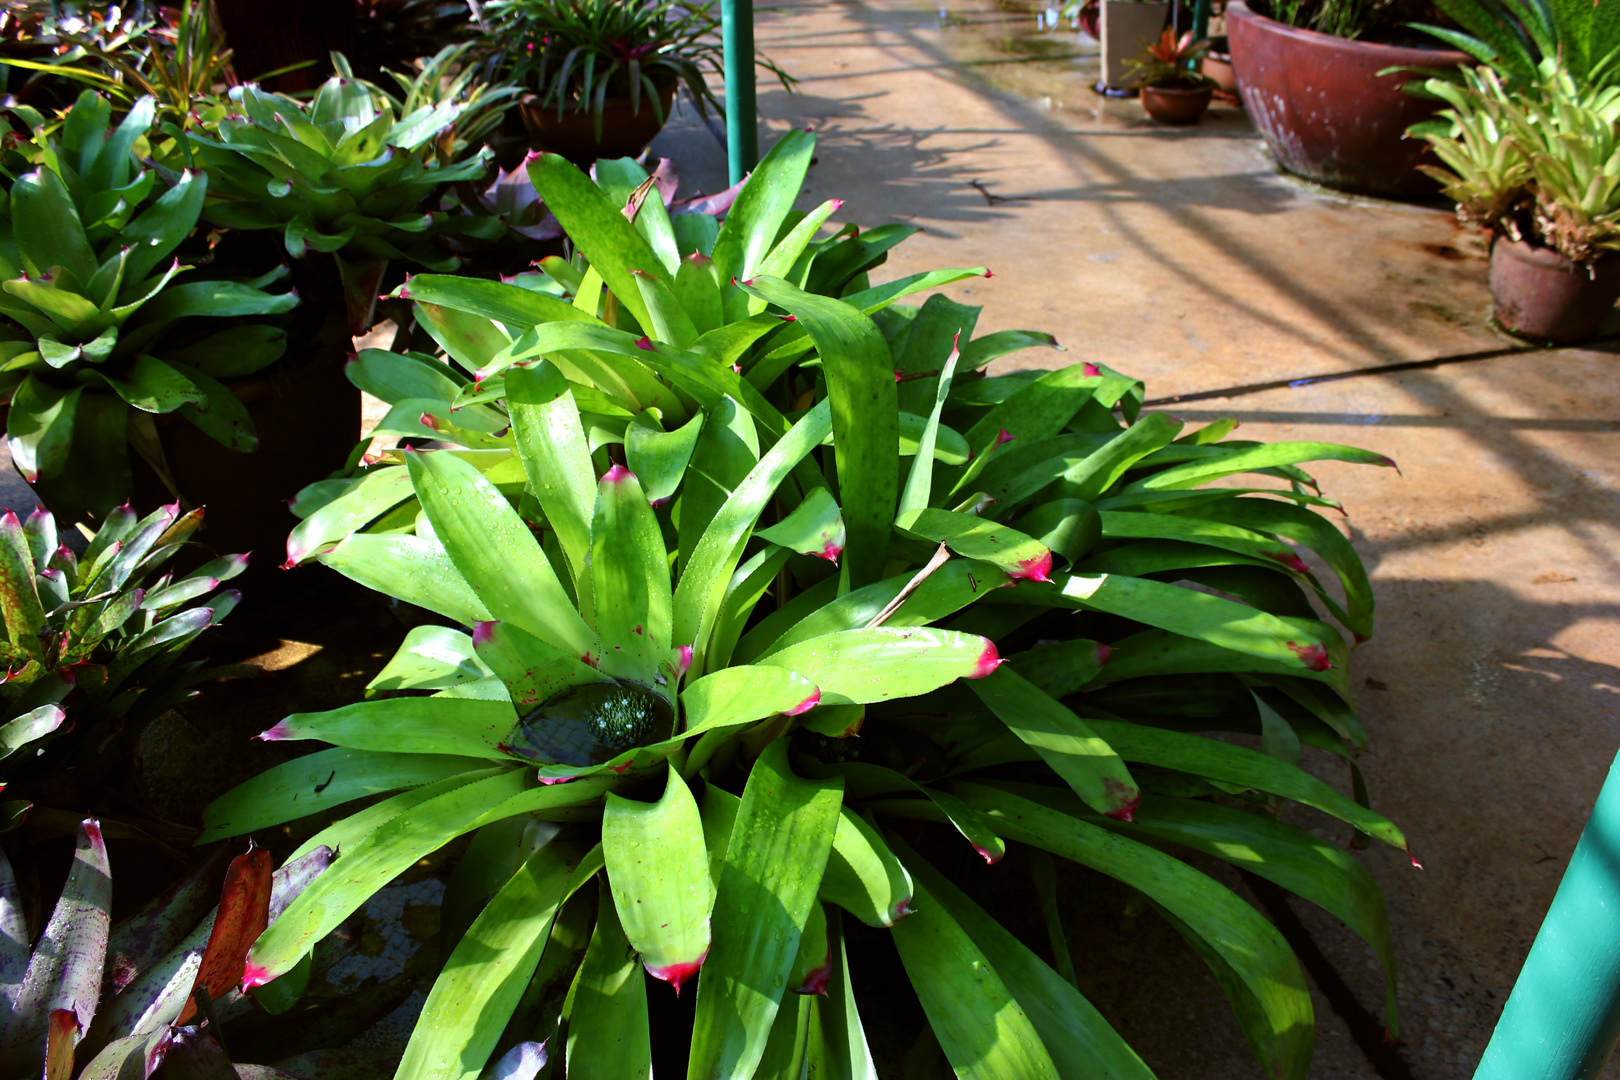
<point x="626" y="131"/>
<point x="1177" y="105"/>
<point x="1324" y="110"/>
<point x="1542" y="295"/>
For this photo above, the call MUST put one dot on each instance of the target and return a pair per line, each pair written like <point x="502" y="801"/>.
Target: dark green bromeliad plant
<point x="725" y="571"/>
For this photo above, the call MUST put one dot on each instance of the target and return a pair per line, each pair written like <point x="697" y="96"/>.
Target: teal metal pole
<point x="1563" y="1018"/>
<point x="742" y="117"/>
<point x="1200" y="20"/>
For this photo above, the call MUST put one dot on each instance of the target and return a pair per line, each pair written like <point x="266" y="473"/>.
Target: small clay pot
<point x="1177" y="105"/>
<point x="626" y="131"/>
<point x="1540" y="294"/>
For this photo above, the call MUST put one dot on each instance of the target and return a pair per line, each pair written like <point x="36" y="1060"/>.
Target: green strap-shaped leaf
<point x="772" y="869"/>
<point x="947" y="590"/>
<point x="1295" y="643"/>
<point x="556" y="458"/>
<point x="1315" y="532"/>
<point x="518" y="308"/>
<point x="533" y="670"/>
<point x="865" y="417"/>
<point x="610" y="243"/>
<point x="1105" y="466"/>
<point x="1253" y="459"/>
<point x="407" y="725"/>
<point x="47" y="227"/>
<point x="485" y="975"/>
<point x="1074" y="751"/>
<point x="1298" y="861"/>
<point x="320" y="781"/>
<point x="1238" y="765"/>
<point x="39" y="428"/>
<point x="659" y="458"/>
<point x="815" y="527"/>
<point x="1081" y="1042"/>
<point x="919" y="482"/>
<point x="431" y="658"/>
<point x="838" y="1049"/>
<point x="725" y="451"/>
<point x="607" y="1027"/>
<point x="376" y="492"/>
<point x="630" y="569"/>
<point x="984" y="1031"/>
<point x="495" y="552"/>
<point x="702" y="586"/>
<point x="739" y="695"/>
<point x="755" y="218"/>
<point x="31" y="726"/>
<point x="1246" y="941"/>
<point x="659" y="872"/>
<point x="973" y="537"/>
<point x="669" y="321"/>
<point x="863" y="876"/>
<point x="377" y="857"/>
<point x="887" y="662"/>
<point x="413" y="569"/>
<point x="1041" y="408"/>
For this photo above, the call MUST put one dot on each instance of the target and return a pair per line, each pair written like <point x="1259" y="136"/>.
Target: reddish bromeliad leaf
<point x="244" y="912"/>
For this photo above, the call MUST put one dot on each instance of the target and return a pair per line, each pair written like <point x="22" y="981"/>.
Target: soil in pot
<point x="1176" y="104"/>
<point x="626" y="130"/>
<point x="1326" y="111"/>
<point x="1542" y="295"/>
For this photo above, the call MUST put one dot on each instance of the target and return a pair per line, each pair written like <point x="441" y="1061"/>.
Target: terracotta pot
<point x="308" y="420"/>
<point x="1218" y="65"/>
<point x="625" y="131"/>
<point x="1128" y="27"/>
<point x="1177" y="105"/>
<point x="1324" y="110"/>
<point x="1542" y="295"/>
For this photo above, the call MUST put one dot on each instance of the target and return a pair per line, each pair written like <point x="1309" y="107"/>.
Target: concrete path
<point x="1491" y="689"/>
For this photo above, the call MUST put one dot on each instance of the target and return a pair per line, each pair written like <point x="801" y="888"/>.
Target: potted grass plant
<point x="1169" y="71"/>
<point x="602" y="74"/>
<point x="1528" y="162"/>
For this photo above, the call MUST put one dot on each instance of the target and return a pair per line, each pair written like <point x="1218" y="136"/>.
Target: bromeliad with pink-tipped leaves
<point x="716" y="617"/>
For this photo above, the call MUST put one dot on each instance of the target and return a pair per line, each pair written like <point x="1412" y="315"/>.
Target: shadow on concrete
<point x="1325" y="323"/>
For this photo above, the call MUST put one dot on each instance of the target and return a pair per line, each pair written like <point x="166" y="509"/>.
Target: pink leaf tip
<point x="645" y="343"/>
<point x="1312" y="656"/>
<point x="618" y="474"/>
<point x="900" y="910"/>
<point x="483" y="632"/>
<point x="988" y="273"/>
<point x="806" y="705"/>
<point x="1103" y="653"/>
<point x="677" y="974"/>
<point x="831" y="552"/>
<point x="990" y="857"/>
<point x="683" y="661"/>
<point x="816" y="981"/>
<point x="1004" y="436"/>
<point x="1034" y="568"/>
<point x="1413" y="857"/>
<point x="1127" y="800"/>
<point x="254" y="975"/>
<point x="988" y="661"/>
<point x="279" y="733"/>
<point x="1092" y="371"/>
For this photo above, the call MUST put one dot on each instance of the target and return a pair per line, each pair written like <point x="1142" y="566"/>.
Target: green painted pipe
<point x="1563" y="1018"/>
<point x="742" y="117"/>
<point x="1200" y="20"/>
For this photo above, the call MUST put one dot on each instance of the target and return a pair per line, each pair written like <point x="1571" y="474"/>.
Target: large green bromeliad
<point x="648" y="671"/>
